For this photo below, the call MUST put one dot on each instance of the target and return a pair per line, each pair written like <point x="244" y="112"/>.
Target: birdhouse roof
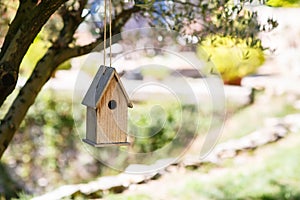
<point x="99" y="85"/>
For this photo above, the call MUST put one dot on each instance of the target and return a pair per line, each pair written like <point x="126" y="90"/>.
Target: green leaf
<point x="145" y="4"/>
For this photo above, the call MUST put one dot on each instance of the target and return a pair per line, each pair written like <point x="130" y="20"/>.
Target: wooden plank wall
<point x="112" y="124"/>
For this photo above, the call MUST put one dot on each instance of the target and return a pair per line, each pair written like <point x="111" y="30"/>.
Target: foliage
<point x="156" y="72"/>
<point x="238" y="125"/>
<point x="283" y="3"/>
<point x="233" y="58"/>
<point x="198" y="18"/>
<point x="203" y="18"/>
<point x="222" y="17"/>
<point x="9" y="187"/>
<point x="162" y="125"/>
<point x="46" y="141"/>
<point x="269" y="172"/>
<point x="36" y="51"/>
<point x="275" y="178"/>
<point x="47" y="144"/>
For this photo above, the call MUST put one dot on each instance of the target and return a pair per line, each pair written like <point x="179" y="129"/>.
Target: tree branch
<point x="71" y="20"/>
<point x="27" y="23"/>
<point x="15" y="24"/>
<point x="117" y="25"/>
<point x="41" y="74"/>
<point x="123" y="17"/>
<point x="187" y="3"/>
<point x="25" y="99"/>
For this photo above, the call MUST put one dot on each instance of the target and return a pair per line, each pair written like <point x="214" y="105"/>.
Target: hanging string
<point x="104" y="45"/>
<point x="110" y="32"/>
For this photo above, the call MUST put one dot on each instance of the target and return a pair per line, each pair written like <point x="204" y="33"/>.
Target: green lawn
<point x="271" y="175"/>
<point x="271" y="172"/>
<point x="238" y="125"/>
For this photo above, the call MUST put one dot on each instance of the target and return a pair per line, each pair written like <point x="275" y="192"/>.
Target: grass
<point x="271" y="173"/>
<point x="238" y="125"/>
<point x="157" y="72"/>
<point x="277" y="177"/>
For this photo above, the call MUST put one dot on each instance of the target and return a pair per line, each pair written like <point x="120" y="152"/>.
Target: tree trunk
<point x="30" y="18"/>
<point x="28" y="93"/>
<point x="26" y="98"/>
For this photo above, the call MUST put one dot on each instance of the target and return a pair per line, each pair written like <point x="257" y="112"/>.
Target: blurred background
<point x="254" y="49"/>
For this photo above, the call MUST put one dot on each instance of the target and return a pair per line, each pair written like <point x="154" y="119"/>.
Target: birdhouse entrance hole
<point x="112" y="104"/>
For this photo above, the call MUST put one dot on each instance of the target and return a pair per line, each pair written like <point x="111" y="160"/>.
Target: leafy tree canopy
<point x="57" y="23"/>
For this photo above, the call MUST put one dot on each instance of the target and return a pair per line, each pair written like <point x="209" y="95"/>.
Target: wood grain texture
<point x="112" y="124"/>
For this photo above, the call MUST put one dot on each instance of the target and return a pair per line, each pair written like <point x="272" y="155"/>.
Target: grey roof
<point x="99" y="85"/>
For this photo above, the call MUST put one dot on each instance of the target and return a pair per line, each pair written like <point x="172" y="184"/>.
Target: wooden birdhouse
<point x="107" y="109"/>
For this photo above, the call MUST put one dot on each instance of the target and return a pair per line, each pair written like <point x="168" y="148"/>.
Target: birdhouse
<point x="107" y="110"/>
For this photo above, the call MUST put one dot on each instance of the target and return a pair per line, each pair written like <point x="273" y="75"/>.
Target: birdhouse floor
<point x="106" y="144"/>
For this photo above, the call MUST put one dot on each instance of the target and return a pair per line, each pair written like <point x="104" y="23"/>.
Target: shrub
<point x="45" y="151"/>
<point x="283" y="3"/>
<point x="164" y="124"/>
<point x="233" y="58"/>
